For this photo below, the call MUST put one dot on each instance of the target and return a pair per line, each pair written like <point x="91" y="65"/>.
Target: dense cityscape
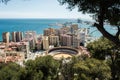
<point x="19" y="46"/>
<point x="41" y="40"/>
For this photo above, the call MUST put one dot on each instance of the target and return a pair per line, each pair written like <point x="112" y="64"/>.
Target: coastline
<point x="39" y="24"/>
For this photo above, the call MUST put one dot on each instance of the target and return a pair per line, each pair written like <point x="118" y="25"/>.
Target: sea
<point x="38" y="25"/>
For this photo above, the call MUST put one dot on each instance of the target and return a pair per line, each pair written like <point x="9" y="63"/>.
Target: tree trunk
<point x="114" y="39"/>
<point x="100" y="27"/>
<point x="113" y="73"/>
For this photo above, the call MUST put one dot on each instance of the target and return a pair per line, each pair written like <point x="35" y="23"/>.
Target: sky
<point x="38" y="9"/>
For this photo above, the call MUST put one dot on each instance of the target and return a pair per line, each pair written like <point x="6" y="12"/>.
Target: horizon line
<point x="45" y="18"/>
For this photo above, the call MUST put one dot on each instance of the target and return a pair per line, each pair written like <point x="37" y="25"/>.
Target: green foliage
<point x="47" y="68"/>
<point x="79" y="68"/>
<point x="66" y="68"/>
<point x="10" y="71"/>
<point x="42" y="68"/>
<point x="90" y="69"/>
<point x="111" y="8"/>
<point x="100" y="48"/>
<point x="38" y="76"/>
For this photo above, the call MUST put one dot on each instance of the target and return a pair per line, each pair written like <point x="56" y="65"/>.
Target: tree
<point x="103" y="11"/>
<point x="90" y="69"/>
<point x="42" y="68"/>
<point x="66" y="69"/>
<point x="79" y="68"/>
<point x="102" y="48"/>
<point x="11" y="71"/>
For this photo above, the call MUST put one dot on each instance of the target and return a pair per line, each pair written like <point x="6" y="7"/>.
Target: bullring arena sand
<point x="62" y="55"/>
<point x="62" y="52"/>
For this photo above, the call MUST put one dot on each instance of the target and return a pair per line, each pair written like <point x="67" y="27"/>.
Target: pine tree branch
<point x="118" y="32"/>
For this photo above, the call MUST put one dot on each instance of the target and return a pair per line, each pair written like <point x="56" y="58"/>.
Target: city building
<point x="39" y="45"/>
<point x="39" y="42"/>
<point x="75" y="41"/>
<point x="31" y="37"/>
<point x="73" y="28"/>
<point x="45" y="42"/>
<point x="54" y="40"/>
<point x="18" y="46"/>
<point x="13" y="56"/>
<point x="82" y="34"/>
<point x="49" y="31"/>
<point x="65" y="40"/>
<point x="64" y="30"/>
<point x="19" y="36"/>
<point x="6" y="37"/>
<point x="57" y="32"/>
<point x="13" y="36"/>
